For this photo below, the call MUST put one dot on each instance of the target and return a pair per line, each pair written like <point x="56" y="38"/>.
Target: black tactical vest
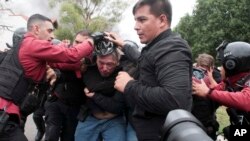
<point x="13" y="84"/>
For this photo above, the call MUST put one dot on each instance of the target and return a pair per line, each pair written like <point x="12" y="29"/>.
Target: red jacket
<point x="34" y="55"/>
<point x="238" y="100"/>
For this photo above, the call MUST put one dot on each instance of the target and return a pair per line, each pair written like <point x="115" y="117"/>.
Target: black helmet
<point x="104" y="47"/>
<point x="132" y="44"/>
<point x="17" y="36"/>
<point x="235" y="57"/>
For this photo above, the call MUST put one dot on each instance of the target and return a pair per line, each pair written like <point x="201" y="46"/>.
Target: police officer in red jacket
<point x="26" y="65"/>
<point x="234" y="90"/>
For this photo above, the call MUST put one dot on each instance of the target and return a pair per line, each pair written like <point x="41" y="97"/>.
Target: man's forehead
<point x="143" y="13"/>
<point x="107" y="58"/>
<point x="81" y="37"/>
<point x="145" y="9"/>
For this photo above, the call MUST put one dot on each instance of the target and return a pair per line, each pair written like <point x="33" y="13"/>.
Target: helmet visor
<point x="220" y="51"/>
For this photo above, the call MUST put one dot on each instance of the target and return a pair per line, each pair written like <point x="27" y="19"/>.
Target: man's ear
<point x="36" y="29"/>
<point x="163" y="19"/>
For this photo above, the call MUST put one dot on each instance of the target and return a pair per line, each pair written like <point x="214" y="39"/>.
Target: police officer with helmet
<point x="234" y="90"/>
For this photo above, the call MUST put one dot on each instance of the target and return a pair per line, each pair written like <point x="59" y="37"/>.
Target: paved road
<point x="30" y="129"/>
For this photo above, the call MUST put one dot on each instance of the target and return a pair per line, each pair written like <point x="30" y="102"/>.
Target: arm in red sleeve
<point x="43" y="50"/>
<point x="239" y="100"/>
<point x="66" y="66"/>
<point x="35" y="54"/>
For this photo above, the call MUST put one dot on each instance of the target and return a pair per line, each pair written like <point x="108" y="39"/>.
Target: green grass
<point x="222" y="118"/>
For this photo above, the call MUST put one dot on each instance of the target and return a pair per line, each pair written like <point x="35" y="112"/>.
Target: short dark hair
<point x="83" y="33"/>
<point x="36" y="18"/>
<point x="157" y="7"/>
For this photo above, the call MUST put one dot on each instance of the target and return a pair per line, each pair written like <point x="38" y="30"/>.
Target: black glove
<point x="97" y="37"/>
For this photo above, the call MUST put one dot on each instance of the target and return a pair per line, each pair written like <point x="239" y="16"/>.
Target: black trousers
<point x="12" y="132"/>
<point x="60" y="121"/>
<point x="38" y="119"/>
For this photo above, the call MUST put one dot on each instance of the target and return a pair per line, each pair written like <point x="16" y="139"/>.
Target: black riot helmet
<point x="132" y="44"/>
<point x="104" y="47"/>
<point x="234" y="57"/>
<point x="17" y="37"/>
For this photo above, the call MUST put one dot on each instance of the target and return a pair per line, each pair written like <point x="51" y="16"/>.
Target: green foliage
<point x="70" y="17"/>
<point x="222" y="118"/>
<point x="64" y="33"/>
<point x="213" y="21"/>
<point x="99" y="24"/>
<point x="93" y="15"/>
